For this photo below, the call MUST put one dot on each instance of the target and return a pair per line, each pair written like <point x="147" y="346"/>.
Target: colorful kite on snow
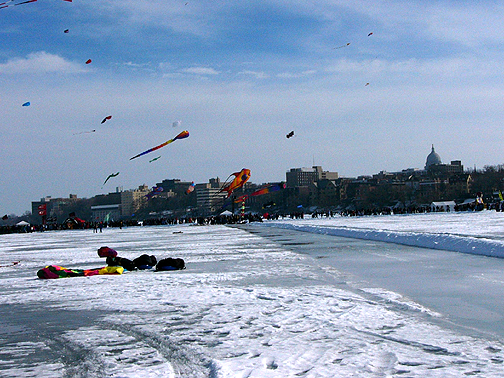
<point x="55" y="271"/>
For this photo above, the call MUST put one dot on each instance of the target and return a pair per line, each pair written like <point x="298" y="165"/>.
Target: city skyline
<point x="365" y="86"/>
<point x="331" y="175"/>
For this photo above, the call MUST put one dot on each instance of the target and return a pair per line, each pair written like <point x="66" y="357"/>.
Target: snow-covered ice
<point x="467" y="232"/>
<point x="246" y="306"/>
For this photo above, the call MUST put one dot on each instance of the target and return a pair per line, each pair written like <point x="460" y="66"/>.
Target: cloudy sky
<point x="239" y="76"/>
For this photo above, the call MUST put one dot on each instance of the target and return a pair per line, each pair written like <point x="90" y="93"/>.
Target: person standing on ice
<point x="480" y="205"/>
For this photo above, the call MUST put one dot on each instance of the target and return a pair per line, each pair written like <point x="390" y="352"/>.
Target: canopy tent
<point x="22" y="223"/>
<point x="443" y="205"/>
<point x="226" y="213"/>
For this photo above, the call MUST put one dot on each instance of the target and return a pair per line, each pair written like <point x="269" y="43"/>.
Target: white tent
<point x="22" y="223"/>
<point x="443" y="206"/>
<point x="226" y="213"/>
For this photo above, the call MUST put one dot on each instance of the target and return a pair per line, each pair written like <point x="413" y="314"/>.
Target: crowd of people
<point x="237" y="218"/>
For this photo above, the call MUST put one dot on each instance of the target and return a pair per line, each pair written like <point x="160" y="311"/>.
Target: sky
<point x="239" y="77"/>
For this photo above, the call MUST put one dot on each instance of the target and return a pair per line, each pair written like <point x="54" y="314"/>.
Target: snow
<point x="478" y="233"/>
<point x="246" y="306"/>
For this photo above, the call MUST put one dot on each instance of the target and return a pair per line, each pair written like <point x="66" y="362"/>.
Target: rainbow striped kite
<point x="182" y="135"/>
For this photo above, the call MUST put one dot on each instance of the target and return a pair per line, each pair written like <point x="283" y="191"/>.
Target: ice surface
<point x="480" y="233"/>
<point x="244" y="307"/>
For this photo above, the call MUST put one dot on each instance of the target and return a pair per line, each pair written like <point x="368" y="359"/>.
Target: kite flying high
<point x="240" y="179"/>
<point x="13" y="3"/>
<point x="182" y="135"/>
<point x="85" y="132"/>
<point x="340" y="47"/>
<point x="110" y="176"/>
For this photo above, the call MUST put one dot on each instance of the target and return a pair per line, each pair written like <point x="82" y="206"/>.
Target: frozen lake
<point x="280" y="299"/>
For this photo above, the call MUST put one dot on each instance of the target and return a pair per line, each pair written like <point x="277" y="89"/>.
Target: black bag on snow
<point x="170" y="264"/>
<point x="121" y="261"/>
<point x="145" y="261"/>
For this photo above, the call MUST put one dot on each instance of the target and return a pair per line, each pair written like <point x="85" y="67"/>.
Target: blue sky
<point x="240" y="76"/>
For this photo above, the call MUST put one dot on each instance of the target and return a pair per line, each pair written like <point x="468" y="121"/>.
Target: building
<point x="434" y="165"/>
<point x="105" y="213"/>
<point x="173" y="186"/>
<point x="52" y="207"/>
<point x="209" y="196"/>
<point x="432" y="159"/>
<point x="132" y="200"/>
<point x="305" y="176"/>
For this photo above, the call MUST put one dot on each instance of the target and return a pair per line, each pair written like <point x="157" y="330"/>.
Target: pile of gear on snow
<point x="115" y="265"/>
<point x="142" y="262"/>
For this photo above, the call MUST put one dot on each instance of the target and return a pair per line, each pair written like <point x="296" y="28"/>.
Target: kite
<point x="3" y="5"/>
<point x="5" y="217"/>
<point x="269" y="189"/>
<point x="155" y="190"/>
<point x="106" y="118"/>
<point x="85" y="132"/>
<point x="55" y="271"/>
<point x="177" y="123"/>
<point x="340" y="47"/>
<point x="150" y="161"/>
<point x="182" y="135"/>
<point x="190" y="188"/>
<point x="370" y="34"/>
<point x="260" y="192"/>
<point x="366" y="84"/>
<point x="27" y="104"/>
<point x="109" y="176"/>
<point x="240" y="179"/>
<point x="25" y="2"/>
<point x="88" y="61"/>
<point x="290" y="135"/>
<point x="66" y="31"/>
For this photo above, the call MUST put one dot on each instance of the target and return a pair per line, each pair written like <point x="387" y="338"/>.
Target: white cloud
<point x="256" y="74"/>
<point x="289" y="75"/>
<point x="201" y="71"/>
<point x="426" y="68"/>
<point x="40" y="62"/>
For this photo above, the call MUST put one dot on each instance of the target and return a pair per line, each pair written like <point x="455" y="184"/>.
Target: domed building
<point x="432" y="159"/>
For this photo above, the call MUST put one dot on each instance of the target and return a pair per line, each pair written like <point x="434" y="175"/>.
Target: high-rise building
<point x="305" y="176"/>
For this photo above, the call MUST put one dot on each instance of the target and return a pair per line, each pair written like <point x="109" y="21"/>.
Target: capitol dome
<point x="432" y="159"/>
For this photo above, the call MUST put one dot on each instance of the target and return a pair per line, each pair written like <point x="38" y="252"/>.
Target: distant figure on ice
<point x="480" y="205"/>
